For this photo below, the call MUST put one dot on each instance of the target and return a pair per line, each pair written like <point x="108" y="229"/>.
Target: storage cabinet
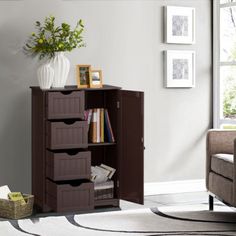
<point x="62" y="155"/>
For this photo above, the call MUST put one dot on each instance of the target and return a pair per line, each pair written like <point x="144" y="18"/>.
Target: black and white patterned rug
<point x="129" y="222"/>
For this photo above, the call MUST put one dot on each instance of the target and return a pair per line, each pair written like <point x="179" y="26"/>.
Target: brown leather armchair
<point x="220" y="168"/>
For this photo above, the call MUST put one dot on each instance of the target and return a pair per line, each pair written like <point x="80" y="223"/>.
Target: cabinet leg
<point x="211" y="203"/>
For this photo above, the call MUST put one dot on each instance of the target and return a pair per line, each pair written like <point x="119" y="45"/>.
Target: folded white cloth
<point x="4" y="191"/>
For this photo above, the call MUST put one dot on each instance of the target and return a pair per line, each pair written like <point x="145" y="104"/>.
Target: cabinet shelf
<point x="101" y="144"/>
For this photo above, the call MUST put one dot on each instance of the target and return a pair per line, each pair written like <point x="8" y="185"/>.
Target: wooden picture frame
<point x="83" y="75"/>
<point x="96" y="79"/>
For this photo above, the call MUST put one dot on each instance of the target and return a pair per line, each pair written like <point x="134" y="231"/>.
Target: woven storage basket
<point x="14" y="209"/>
<point x="103" y="193"/>
<point x="104" y="190"/>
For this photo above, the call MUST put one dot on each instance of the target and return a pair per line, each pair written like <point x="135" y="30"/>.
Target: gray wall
<point x="124" y="39"/>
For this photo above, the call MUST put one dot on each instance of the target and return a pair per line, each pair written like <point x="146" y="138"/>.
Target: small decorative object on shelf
<point x="83" y="74"/>
<point x="96" y="79"/>
<point x="50" y="42"/>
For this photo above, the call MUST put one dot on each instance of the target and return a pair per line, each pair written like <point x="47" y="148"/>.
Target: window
<point x="224" y="64"/>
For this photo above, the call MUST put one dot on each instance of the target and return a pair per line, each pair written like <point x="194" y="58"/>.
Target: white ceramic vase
<point x="45" y="75"/>
<point x="61" y="66"/>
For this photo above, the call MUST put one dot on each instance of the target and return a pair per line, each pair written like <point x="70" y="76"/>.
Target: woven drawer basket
<point x="104" y="191"/>
<point x="14" y="209"/>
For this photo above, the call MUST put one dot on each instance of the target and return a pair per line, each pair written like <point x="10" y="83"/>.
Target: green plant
<point x="50" y="38"/>
<point x="229" y="97"/>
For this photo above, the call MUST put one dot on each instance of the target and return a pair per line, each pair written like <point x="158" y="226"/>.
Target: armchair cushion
<point x="222" y="164"/>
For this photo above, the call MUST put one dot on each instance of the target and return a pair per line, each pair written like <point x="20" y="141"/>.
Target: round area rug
<point x="129" y="222"/>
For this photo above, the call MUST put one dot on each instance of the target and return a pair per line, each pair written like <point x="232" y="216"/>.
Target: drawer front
<point x="62" y="166"/>
<point x="65" y="136"/>
<point x="61" y="105"/>
<point x="64" y="197"/>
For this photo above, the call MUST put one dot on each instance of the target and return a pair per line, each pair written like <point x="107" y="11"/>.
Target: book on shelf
<point x="102" y="124"/>
<point x="86" y="114"/>
<point x="109" y="130"/>
<point x="89" y="116"/>
<point x="99" y="125"/>
<point x="98" y="139"/>
<point x="93" y="127"/>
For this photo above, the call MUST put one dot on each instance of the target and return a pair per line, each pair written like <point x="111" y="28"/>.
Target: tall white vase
<point x="45" y="75"/>
<point x="61" y="66"/>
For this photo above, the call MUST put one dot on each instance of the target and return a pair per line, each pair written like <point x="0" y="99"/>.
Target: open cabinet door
<point x="131" y="146"/>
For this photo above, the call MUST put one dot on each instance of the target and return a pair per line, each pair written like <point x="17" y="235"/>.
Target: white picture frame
<point x="179" y="69"/>
<point x="179" y="25"/>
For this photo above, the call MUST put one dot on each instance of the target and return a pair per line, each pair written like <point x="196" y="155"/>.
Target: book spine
<point x="86" y="114"/>
<point x="102" y="124"/>
<point x="109" y="127"/>
<point x="90" y="112"/>
<point x="98" y="126"/>
<point x="93" y="127"/>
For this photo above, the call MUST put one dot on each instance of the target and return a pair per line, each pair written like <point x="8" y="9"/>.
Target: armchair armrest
<point x="218" y="141"/>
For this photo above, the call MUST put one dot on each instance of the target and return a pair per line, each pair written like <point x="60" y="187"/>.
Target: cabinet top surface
<point x="75" y="88"/>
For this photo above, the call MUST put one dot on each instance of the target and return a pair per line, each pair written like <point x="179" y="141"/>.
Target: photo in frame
<point x="96" y="79"/>
<point x="83" y="74"/>
<point x="179" y="25"/>
<point x="179" y="69"/>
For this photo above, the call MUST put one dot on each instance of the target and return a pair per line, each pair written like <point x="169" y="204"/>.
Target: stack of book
<point x="102" y="173"/>
<point x="99" y="125"/>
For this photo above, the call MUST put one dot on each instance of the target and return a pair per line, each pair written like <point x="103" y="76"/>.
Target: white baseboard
<point x="197" y="185"/>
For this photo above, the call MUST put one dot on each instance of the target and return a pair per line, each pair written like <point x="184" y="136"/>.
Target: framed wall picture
<point x="83" y="74"/>
<point x="179" y="69"/>
<point x="96" y="79"/>
<point x="180" y="25"/>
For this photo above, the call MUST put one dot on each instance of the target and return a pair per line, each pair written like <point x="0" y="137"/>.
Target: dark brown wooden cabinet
<point x="62" y="156"/>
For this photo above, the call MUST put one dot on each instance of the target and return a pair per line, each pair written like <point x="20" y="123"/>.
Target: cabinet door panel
<point x="131" y="146"/>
